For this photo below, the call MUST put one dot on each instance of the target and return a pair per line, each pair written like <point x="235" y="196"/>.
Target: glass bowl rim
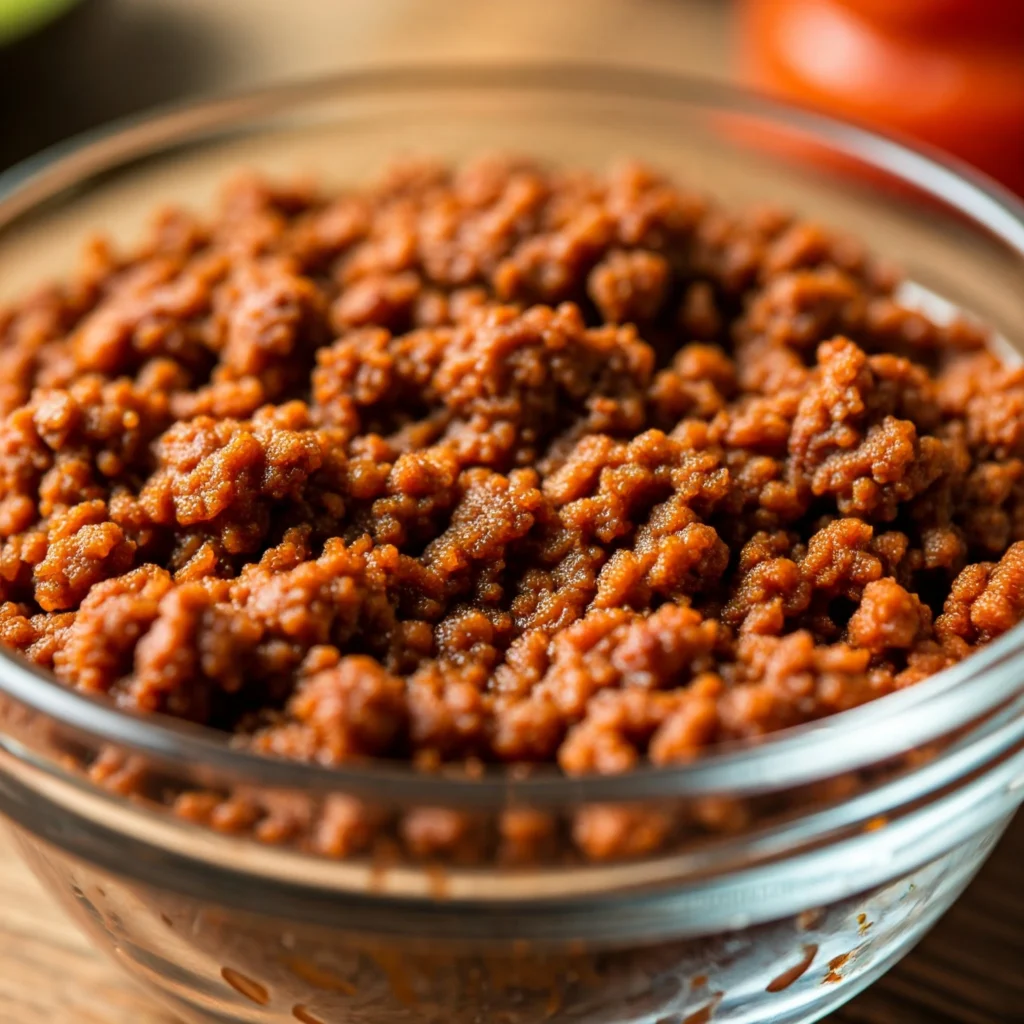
<point x="874" y="732"/>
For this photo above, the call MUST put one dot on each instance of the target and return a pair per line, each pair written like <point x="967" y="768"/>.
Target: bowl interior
<point x="709" y="138"/>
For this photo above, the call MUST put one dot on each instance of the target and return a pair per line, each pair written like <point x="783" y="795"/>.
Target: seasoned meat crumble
<point x="499" y="464"/>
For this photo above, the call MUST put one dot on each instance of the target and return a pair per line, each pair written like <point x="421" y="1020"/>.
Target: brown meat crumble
<point x="499" y="464"/>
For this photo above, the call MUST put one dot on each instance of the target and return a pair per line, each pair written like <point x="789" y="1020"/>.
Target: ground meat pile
<point x="499" y="464"/>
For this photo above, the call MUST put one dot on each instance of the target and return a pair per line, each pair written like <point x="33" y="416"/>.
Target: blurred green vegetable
<point x="20" y="17"/>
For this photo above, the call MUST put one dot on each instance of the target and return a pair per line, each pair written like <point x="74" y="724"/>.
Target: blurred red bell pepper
<point x="949" y="72"/>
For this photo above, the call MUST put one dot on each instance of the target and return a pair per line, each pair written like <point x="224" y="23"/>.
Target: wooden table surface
<point x="112" y="57"/>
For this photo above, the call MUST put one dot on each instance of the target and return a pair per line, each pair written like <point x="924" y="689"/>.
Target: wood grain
<point x="112" y="57"/>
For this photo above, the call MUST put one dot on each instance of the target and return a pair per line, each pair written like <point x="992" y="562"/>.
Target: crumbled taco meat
<point x="499" y="464"/>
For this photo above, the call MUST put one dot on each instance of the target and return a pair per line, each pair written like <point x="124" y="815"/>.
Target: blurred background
<point x="947" y="71"/>
<point x="106" y="58"/>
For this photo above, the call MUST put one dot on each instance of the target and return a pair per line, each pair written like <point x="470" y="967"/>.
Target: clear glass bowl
<point x="798" y="870"/>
